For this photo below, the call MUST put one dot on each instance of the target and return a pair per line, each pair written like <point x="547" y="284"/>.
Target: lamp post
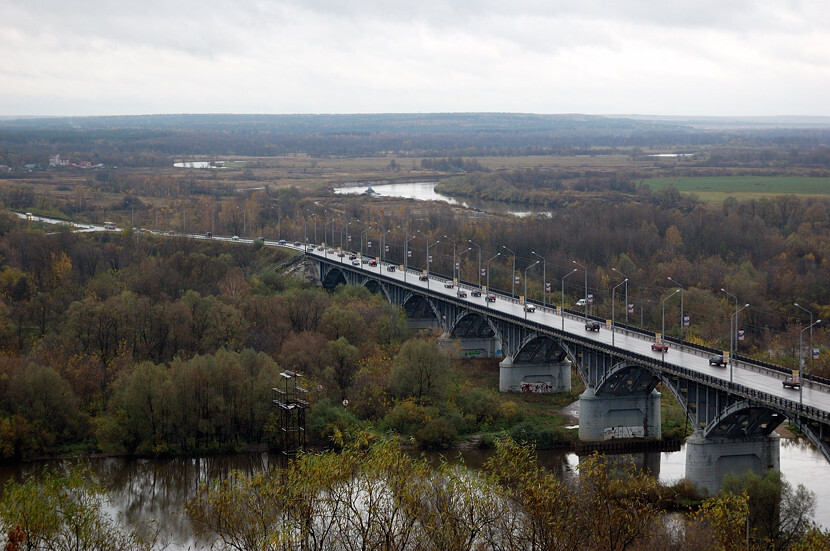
<point x="454" y="263"/>
<point x="526" y="269"/>
<point x="585" y="294"/>
<point x="525" y="295"/>
<point x="406" y="255"/>
<point x="470" y="241"/>
<point x="513" y="275"/>
<point x="811" y="333"/>
<point x="682" y="319"/>
<point x="800" y="370"/>
<point x="562" y="309"/>
<point x="544" y="284"/>
<point x="626" y="293"/>
<point x="613" y="303"/>
<point x="663" y="335"/>
<point x="383" y="243"/>
<point x="734" y="331"/>
<point x="462" y="253"/>
<point x="428" y="246"/>
<point x="366" y="231"/>
<point x="488" y="278"/>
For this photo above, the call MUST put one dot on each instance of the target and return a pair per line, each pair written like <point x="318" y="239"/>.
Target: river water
<point x="425" y="191"/>
<point x="144" y="490"/>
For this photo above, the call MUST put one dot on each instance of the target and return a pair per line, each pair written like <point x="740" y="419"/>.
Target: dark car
<point x="592" y="326"/>
<point x="793" y="381"/>
<point x="462" y="293"/>
<point x="352" y="256"/>
<point x="717" y="360"/>
<point x="390" y="268"/>
<point x="660" y="347"/>
<point x="475" y="293"/>
<point x="423" y="277"/>
<point x="373" y="262"/>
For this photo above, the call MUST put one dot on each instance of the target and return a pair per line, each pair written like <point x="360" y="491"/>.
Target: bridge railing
<point x="628" y="329"/>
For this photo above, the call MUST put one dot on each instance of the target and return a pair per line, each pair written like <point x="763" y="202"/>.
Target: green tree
<point x="420" y="369"/>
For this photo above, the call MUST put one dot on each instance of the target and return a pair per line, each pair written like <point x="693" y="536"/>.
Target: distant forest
<point x="151" y="140"/>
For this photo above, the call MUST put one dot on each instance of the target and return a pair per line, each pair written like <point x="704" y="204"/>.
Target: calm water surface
<point x="425" y="191"/>
<point x="145" y="490"/>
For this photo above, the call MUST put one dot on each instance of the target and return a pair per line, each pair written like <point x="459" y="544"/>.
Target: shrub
<point x="436" y="434"/>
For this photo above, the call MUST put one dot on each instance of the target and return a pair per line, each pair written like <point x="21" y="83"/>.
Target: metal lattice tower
<point x="292" y="413"/>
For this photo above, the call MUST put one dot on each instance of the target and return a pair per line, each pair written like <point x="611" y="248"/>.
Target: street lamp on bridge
<point x="613" y="304"/>
<point x="470" y="241"/>
<point x="513" y="275"/>
<point x="811" y="333"/>
<point x="487" y="290"/>
<point x="585" y="294"/>
<point x="544" y="284"/>
<point x="454" y="263"/>
<point x="735" y="335"/>
<point x="682" y="318"/>
<point x="663" y="335"/>
<point x="800" y="361"/>
<point x="562" y="308"/>
<point x="626" y="293"/>
<point x="526" y="269"/>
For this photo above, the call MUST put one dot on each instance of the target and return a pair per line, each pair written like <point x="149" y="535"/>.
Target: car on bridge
<point x="491" y="298"/>
<point x="718" y="360"/>
<point x="281" y="242"/>
<point x="355" y="262"/>
<point x="793" y="381"/>
<point x="475" y="293"/>
<point x="373" y="262"/>
<point x="581" y="302"/>
<point x="660" y="346"/>
<point x="364" y="260"/>
<point x="448" y="284"/>
<point x="352" y="256"/>
<point x="235" y="237"/>
<point x="423" y="277"/>
<point x="462" y="293"/>
<point x="592" y="325"/>
<point x="390" y="268"/>
<point x="530" y="308"/>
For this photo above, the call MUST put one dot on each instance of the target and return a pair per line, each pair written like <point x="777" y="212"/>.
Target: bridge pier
<point x="542" y="377"/>
<point x="709" y="460"/>
<point x="606" y="417"/>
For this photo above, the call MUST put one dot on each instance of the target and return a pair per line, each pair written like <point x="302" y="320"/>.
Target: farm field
<point x="716" y="188"/>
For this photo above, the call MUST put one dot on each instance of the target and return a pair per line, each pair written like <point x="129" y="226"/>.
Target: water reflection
<point x="425" y="191"/>
<point x="154" y="490"/>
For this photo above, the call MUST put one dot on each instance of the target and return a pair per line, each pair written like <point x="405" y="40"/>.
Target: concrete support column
<point x="709" y="460"/>
<point x="607" y="417"/>
<point x="534" y="377"/>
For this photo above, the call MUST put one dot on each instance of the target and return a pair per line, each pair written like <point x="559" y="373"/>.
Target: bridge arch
<point x="377" y="287"/>
<point x="474" y="325"/>
<point x="333" y="277"/>
<point x="743" y="419"/>
<point x="419" y="307"/>
<point x="537" y="348"/>
<point x="627" y="378"/>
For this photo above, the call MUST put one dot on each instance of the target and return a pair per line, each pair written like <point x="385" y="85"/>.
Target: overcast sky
<point x="662" y="57"/>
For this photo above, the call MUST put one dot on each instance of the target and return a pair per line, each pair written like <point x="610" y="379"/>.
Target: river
<point x="425" y="191"/>
<point x="144" y="490"/>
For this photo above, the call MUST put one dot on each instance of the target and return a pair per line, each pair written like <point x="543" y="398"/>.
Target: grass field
<point x="716" y="189"/>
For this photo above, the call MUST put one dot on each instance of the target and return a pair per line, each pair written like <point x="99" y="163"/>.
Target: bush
<point x="528" y="432"/>
<point x="406" y="417"/>
<point x="436" y="434"/>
